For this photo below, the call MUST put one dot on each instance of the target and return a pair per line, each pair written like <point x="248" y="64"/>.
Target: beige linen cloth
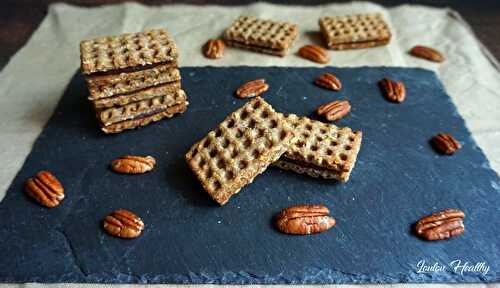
<point x="35" y="78"/>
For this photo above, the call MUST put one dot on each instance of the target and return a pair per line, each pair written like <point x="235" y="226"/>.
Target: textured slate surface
<point x="189" y="239"/>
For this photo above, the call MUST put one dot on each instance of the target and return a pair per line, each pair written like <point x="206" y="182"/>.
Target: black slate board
<point x="189" y="239"/>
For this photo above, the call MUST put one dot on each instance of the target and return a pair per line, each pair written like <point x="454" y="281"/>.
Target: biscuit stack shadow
<point x="133" y="79"/>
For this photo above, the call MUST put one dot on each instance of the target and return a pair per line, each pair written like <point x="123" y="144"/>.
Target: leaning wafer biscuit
<point x="321" y="149"/>
<point x="145" y="119"/>
<point x="148" y="93"/>
<point x="239" y="149"/>
<point x="114" y="53"/>
<point x="259" y="35"/>
<point x="355" y="31"/>
<point x="141" y="108"/>
<point x="104" y="86"/>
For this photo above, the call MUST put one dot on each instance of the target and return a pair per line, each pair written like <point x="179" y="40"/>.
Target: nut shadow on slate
<point x="180" y="177"/>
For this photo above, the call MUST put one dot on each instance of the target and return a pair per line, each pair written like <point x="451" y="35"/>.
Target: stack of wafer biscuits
<point x="264" y="36"/>
<point x="255" y="136"/>
<point x="354" y="31"/>
<point x="133" y="79"/>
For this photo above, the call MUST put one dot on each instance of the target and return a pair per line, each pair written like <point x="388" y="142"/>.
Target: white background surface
<point x="34" y="80"/>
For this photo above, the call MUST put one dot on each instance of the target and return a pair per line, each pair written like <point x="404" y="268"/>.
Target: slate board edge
<point x="241" y="277"/>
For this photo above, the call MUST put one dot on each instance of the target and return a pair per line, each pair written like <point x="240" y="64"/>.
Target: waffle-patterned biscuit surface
<point x="124" y="99"/>
<point x="127" y="50"/>
<point x="240" y="148"/>
<point x="140" y="108"/>
<point x="322" y="149"/>
<point x="355" y="31"/>
<point x="250" y="32"/>
<point x="109" y="85"/>
<point x="145" y="120"/>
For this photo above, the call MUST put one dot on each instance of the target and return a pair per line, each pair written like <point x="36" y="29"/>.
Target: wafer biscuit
<point x="145" y="119"/>
<point x="139" y="109"/>
<point x="355" y="31"/>
<point x="124" y="99"/>
<point x="259" y="35"/>
<point x="127" y="50"/>
<point x="240" y="148"/>
<point x="108" y="85"/>
<point x="321" y="149"/>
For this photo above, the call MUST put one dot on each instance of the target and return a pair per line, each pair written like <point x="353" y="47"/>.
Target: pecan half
<point x="428" y="53"/>
<point x="304" y="219"/>
<point x="394" y="91"/>
<point x="314" y="53"/>
<point x="123" y="224"/>
<point x="328" y="81"/>
<point x="334" y="110"/>
<point x="214" y="48"/>
<point x="445" y="143"/>
<point x="133" y="164"/>
<point x="45" y="189"/>
<point x="252" y="88"/>
<point x="441" y="225"/>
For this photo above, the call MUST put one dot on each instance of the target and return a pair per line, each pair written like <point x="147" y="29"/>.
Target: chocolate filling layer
<point x="133" y="69"/>
<point x="308" y="165"/>
<point x="242" y="44"/>
<point x="361" y="42"/>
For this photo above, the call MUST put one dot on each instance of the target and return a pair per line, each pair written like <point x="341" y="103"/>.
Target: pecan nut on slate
<point x="45" y="189"/>
<point x="133" y="164"/>
<point x="123" y="224"/>
<point x="441" y="225"/>
<point x="428" y="53"/>
<point x="214" y="48"/>
<point x="314" y="53"/>
<point x="393" y="91"/>
<point x="304" y="219"/>
<point x="252" y="88"/>
<point x="328" y="81"/>
<point x="445" y="143"/>
<point x="334" y="110"/>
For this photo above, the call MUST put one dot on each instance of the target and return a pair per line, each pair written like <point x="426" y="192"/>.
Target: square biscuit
<point x="113" y="53"/>
<point x="140" y="109"/>
<point x="260" y="35"/>
<point x="104" y="86"/>
<point x="241" y="147"/>
<point x="354" y="31"/>
<point x="143" y="94"/>
<point x="145" y="119"/>
<point x="321" y="149"/>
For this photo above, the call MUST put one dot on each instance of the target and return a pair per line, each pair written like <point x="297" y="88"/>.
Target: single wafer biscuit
<point x="109" y="85"/>
<point x="124" y="99"/>
<point x="261" y="35"/>
<point x="127" y="50"/>
<point x="354" y="31"/>
<point x="145" y="120"/>
<point x="139" y="109"/>
<point x="240" y="148"/>
<point x="321" y="149"/>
